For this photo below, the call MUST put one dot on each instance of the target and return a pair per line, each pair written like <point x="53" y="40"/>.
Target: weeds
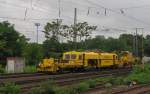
<point x="9" y="88"/>
<point x="36" y="90"/>
<point x="2" y="70"/>
<point x="91" y="83"/>
<point x="30" y="69"/>
<point x="48" y="87"/>
<point x="81" y="87"/>
<point x="138" y="74"/>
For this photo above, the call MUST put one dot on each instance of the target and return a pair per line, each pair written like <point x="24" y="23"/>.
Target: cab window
<point x="67" y="57"/>
<point x="80" y="57"/>
<point x="116" y="57"/>
<point x="73" y="56"/>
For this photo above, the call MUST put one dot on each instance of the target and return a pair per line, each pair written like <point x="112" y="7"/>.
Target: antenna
<point x="59" y="13"/>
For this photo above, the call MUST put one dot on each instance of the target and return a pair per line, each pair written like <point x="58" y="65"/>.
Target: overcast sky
<point x="121" y="16"/>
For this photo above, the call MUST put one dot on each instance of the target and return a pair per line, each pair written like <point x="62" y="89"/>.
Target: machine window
<point x="67" y="56"/>
<point x="116" y="57"/>
<point x="73" y="56"/>
<point x="80" y="57"/>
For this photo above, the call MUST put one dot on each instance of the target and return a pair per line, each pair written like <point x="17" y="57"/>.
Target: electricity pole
<point x="142" y="42"/>
<point x="37" y="35"/>
<point x="136" y="42"/>
<point x="75" y="22"/>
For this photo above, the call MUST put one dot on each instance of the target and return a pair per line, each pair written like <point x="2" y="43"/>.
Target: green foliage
<point x="147" y="45"/>
<point x="69" y="90"/>
<point x="108" y="85"/>
<point x="48" y="87"/>
<point x="11" y="42"/>
<point x="36" y="90"/>
<point x="117" y="81"/>
<point x="91" y="83"/>
<point x="30" y="69"/>
<point x="53" y="29"/>
<point x="52" y="48"/>
<point x="33" y="53"/>
<point x="80" y="31"/>
<point x="140" y="75"/>
<point x="2" y="69"/>
<point x="9" y="88"/>
<point x="81" y="87"/>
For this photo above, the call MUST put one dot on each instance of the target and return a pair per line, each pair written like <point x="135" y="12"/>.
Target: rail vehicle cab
<point x="47" y="65"/>
<point x="127" y="58"/>
<point x="90" y="59"/>
<point x="108" y="60"/>
<point x="71" y="60"/>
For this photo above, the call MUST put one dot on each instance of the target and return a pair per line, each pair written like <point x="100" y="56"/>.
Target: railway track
<point x="140" y="89"/>
<point x="7" y="76"/>
<point x="28" y="81"/>
<point x="94" y="89"/>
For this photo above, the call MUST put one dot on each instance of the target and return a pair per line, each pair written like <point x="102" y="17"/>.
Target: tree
<point x="127" y="39"/>
<point x="80" y="31"/>
<point x="33" y="53"/>
<point x="55" y="30"/>
<point x="12" y="43"/>
<point x="52" y="48"/>
<point x="147" y="45"/>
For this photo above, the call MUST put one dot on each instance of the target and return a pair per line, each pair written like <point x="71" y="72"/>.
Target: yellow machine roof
<point x="73" y="52"/>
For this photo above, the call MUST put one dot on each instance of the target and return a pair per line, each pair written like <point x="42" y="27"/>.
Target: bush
<point x="2" y="70"/>
<point x="48" y="87"/>
<point x="36" y="90"/>
<point x="9" y="88"/>
<point x="92" y="83"/>
<point x="118" y="81"/>
<point x="30" y="69"/>
<point x="140" y="75"/>
<point x="65" y="91"/>
<point x="81" y="87"/>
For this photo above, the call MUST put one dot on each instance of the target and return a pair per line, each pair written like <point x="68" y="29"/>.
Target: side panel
<point x="106" y="63"/>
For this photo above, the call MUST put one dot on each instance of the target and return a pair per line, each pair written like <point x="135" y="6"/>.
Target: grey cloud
<point x="48" y="9"/>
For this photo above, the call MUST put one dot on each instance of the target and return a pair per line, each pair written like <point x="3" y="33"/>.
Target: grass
<point x="138" y="74"/>
<point x="30" y="69"/>
<point x="27" y="69"/>
<point x="9" y="88"/>
<point x="46" y="87"/>
<point x="2" y="69"/>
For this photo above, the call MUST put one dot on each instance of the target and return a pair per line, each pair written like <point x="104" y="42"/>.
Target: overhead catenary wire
<point x="107" y="9"/>
<point x="25" y="15"/>
<point x="134" y="7"/>
<point x="114" y="11"/>
<point x="25" y="7"/>
<point x="59" y="13"/>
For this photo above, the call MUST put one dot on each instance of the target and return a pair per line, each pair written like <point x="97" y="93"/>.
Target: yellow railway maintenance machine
<point x="74" y="60"/>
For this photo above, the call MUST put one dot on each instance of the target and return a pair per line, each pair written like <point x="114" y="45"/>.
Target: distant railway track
<point x="94" y="89"/>
<point x="7" y="76"/>
<point x="140" y="89"/>
<point x="28" y="81"/>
